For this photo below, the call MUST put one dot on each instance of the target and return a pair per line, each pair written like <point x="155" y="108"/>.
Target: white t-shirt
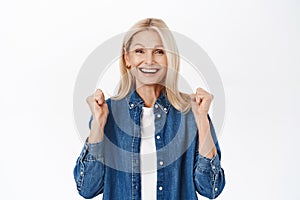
<point x="148" y="155"/>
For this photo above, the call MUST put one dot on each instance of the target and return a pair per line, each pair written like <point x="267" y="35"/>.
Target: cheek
<point x="165" y="70"/>
<point x="136" y="60"/>
<point x="163" y="61"/>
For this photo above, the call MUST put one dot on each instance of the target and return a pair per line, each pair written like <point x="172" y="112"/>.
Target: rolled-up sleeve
<point x="209" y="176"/>
<point x="89" y="170"/>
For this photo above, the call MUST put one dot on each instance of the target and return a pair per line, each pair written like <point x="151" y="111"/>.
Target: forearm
<point x="207" y="147"/>
<point x="96" y="133"/>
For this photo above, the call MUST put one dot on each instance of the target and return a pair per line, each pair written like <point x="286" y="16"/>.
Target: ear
<point x="126" y="56"/>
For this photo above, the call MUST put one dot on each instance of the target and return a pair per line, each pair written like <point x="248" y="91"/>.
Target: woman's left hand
<point x="201" y="101"/>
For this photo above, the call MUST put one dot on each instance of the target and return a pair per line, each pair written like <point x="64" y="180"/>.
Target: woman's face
<point x="147" y="58"/>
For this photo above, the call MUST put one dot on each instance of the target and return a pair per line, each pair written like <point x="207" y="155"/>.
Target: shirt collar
<point x="134" y="99"/>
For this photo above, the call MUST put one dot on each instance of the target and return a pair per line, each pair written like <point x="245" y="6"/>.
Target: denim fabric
<point x="112" y="166"/>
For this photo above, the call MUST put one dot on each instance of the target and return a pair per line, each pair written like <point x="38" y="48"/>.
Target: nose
<point x="149" y="57"/>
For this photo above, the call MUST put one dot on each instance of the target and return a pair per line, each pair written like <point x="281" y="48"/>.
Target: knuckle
<point x="99" y="91"/>
<point x="88" y="99"/>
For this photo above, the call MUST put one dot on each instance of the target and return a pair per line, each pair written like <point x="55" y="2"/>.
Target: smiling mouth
<point x="149" y="71"/>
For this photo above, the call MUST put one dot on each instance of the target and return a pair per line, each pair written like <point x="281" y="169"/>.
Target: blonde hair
<point x="177" y="99"/>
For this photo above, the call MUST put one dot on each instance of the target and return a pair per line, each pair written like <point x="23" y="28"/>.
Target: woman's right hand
<point x="99" y="109"/>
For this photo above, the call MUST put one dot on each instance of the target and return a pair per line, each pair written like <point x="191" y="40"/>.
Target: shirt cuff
<point x="207" y="164"/>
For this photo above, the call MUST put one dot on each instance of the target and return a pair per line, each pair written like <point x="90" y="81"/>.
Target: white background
<point x="254" y="45"/>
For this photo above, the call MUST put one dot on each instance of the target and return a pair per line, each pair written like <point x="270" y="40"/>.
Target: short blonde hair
<point x="177" y="99"/>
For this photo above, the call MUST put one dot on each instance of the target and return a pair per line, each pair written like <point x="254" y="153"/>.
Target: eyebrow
<point x="158" y="45"/>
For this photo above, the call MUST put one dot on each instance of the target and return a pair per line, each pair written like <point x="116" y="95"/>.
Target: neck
<point x="149" y="94"/>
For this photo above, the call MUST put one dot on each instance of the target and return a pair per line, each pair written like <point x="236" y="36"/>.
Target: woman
<point x="150" y="141"/>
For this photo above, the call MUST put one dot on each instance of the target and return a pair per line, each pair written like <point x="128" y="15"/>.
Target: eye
<point x="159" y="51"/>
<point x="139" y="51"/>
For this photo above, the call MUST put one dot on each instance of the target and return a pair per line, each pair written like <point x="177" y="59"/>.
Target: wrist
<point x="202" y="115"/>
<point x="202" y="121"/>
<point x="96" y="133"/>
<point x="96" y="126"/>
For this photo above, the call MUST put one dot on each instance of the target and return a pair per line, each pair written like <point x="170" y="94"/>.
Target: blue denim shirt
<point x="112" y="166"/>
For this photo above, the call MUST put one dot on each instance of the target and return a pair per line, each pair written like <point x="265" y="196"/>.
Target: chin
<point x="152" y="83"/>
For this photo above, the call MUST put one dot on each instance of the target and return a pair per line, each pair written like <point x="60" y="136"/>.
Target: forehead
<point x="146" y="38"/>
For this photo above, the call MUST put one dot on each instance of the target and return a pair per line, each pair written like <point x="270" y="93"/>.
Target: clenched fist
<point x="99" y="109"/>
<point x="201" y="102"/>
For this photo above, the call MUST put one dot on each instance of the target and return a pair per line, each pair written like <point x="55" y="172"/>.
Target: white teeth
<point x="149" y="70"/>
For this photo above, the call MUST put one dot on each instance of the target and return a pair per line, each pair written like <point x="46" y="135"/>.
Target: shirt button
<point x="160" y="188"/>
<point x="216" y="189"/>
<point x="156" y="106"/>
<point x="161" y="163"/>
<point x="158" y="115"/>
<point x="165" y="109"/>
<point x="213" y="167"/>
<point x="131" y="105"/>
<point x="81" y="173"/>
<point x="158" y="137"/>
